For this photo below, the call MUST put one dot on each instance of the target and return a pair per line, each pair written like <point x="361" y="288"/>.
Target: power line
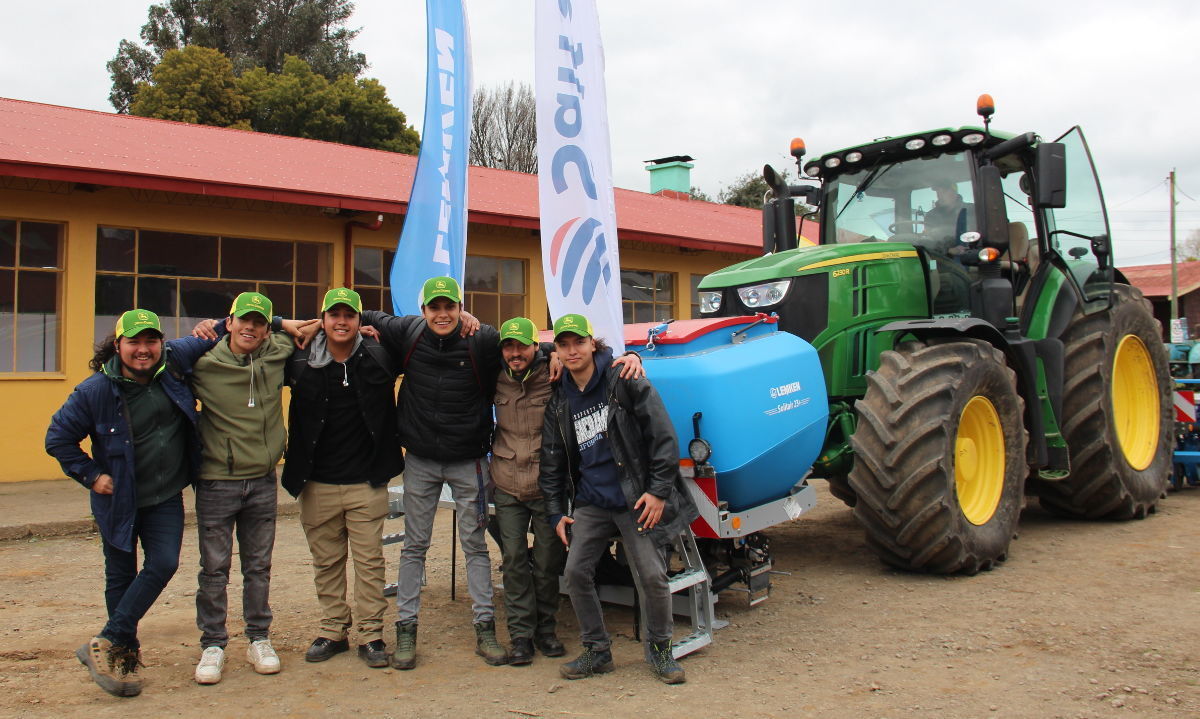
<point x="1159" y="184"/>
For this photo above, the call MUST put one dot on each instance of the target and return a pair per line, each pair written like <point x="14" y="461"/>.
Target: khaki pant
<point x="334" y="515"/>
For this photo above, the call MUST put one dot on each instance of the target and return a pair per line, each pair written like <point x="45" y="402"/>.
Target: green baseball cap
<point x="133" y="322"/>
<point x="248" y="302"/>
<point x="342" y="296"/>
<point x="577" y="324"/>
<point x="520" y="329"/>
<point x="440" y="287"/>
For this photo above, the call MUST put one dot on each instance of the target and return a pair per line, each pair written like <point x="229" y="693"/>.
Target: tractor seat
<point x="1017" y="260"/>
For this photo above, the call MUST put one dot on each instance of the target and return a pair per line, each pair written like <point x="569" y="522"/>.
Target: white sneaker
<point x="262" y="655"/>
<point x="208" y="671"/>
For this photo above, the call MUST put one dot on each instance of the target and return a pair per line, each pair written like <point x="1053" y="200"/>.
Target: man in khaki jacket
<point x="531" y="593"/>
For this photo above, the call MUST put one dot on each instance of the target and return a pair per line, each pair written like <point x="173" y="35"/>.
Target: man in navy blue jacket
<point x="141" y="418"/>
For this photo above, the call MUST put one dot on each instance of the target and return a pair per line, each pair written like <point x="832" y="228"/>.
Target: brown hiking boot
<point x="589" y="663"/>
<point x="126" y="665"/>
<point x="102" y="660"/>
<point x="486" y="645"/>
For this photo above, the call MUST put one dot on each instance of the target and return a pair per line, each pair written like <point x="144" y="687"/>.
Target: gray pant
<point x="590" y="534"/>
<point x="223" y="506"/>
<point x="423" y="479"/>
<point x="530" y="578"/>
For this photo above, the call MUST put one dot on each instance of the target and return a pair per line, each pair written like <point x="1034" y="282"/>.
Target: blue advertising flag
<point x="434" y="239"/>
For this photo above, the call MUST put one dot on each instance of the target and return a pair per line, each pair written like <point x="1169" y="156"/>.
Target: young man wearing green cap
<point x="531" y="592"/>
<point x="239" y="383"/>
<point x="141" y="417"/>
<point x="445" y="418"/>
<point x="343" y="449"/>
<point x="610" y="464"/>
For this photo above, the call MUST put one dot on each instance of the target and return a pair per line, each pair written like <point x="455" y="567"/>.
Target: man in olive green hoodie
<point x="241" y="429"/>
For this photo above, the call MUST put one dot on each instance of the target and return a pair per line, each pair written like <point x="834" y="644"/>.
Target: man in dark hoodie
<point x="343" y="449"/>
<point x="609" y="453"/>
<point x="141" y="418"/>
<point x="445" y="419"/>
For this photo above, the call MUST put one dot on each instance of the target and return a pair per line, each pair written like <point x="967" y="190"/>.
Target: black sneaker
<point x="324" y="648"/>
<point x="549" y="645"/>
<point x="589" y="663"/>
<point x="522" y="652"/>
<point x="665" y="667"/>
<point x="373" y="653"/>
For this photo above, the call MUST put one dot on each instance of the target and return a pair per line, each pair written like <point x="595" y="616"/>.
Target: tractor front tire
<point x="1117" y="412"/>
<point x="939" y="466"/>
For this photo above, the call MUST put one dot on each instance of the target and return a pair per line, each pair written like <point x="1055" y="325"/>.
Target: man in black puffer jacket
<point x="610" y="464"/>
<point x="445" y="419"/>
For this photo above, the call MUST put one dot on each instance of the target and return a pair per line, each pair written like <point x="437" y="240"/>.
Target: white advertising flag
<point x="578" y="216"/>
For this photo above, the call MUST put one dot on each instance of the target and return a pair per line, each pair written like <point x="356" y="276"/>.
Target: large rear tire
<point x="839" y="487"/>
<point x="1116" y="414"/>
<point x="939" y="465"/>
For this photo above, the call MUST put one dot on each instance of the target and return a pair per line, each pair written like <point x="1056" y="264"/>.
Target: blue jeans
<point x="129" y="593"/>
<point x="249" y="506"/>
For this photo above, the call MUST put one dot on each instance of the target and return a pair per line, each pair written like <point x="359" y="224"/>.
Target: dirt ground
<point x="1084" y="620"/>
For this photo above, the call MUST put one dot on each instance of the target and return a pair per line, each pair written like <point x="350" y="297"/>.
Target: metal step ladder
<point x="691" y="596"/>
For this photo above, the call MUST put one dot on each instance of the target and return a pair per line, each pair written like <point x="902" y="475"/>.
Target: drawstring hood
<point x="319" y="355"/>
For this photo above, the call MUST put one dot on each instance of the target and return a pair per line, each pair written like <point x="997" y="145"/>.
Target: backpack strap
<point x="414" y="336"/>
<point x="380" y="354"/>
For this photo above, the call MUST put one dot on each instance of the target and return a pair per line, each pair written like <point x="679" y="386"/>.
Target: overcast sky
<point x="730" y="83"/>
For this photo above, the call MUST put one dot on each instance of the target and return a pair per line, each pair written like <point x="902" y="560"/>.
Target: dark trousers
<point x="590" y="534"/>
<point x="530" y="578"/>
<point x="129" y="593"/>
<point x="248" y="507"/>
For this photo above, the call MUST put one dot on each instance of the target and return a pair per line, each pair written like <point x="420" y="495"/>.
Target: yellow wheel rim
<point x="979" y="461"/>
<point x="1135" y="402"/>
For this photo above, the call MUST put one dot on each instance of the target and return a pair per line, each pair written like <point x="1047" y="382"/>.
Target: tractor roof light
<point x="985" y="106"/>
<point x="940" y="140"/>
<point x="813" y="169"/>
<point x="915" y="144"/>
<point x="764" y="295"/>
<point x="989" y="254"/>
<point x="973" y="139"/>
<point x="798" y="149"/>
<point x="832" y="162"/>
<point x="853" y="156"/>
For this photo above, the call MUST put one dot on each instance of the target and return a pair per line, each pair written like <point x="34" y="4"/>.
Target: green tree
<point x="195" y="84"/>
<point x="1189" y="250"/>
<point x="251" y="33"/>
<point x="697" y="194"/>
<point x="301" y="103"/>
<point x="750" y="189"/>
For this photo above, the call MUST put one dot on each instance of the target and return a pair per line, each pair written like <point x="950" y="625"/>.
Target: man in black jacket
<point x="343" y="449"/>
<point x="445" y="420"/>
<point x="609" y="453"/>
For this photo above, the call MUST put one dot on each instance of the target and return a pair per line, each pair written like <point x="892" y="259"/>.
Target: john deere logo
<point x="441" y="285"/>
<point x="513" y="327"/>
<point x="143" y="317"/>
<point x="341" y="293"/>
<point x="255" y="300"/>
<point x="569" y="322"/>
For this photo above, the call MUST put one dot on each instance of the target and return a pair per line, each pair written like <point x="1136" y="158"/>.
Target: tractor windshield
<point x="925" y="201"/>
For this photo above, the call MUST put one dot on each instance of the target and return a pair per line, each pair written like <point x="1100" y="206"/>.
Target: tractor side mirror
<point x="1051" y="171"/>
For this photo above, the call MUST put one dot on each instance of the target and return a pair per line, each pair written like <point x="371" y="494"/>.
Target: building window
<point x="647" y="296"/>
<point x="696" y="295"/>
<point x="30" y="294"/>
<point x="495" y="288"/>
<point x="186" y="277"/>
<point x="372" y="277"/>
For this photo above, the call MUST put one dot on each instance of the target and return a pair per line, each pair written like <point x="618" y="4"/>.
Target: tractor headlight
<point x="699" y="450"/>
<point x="763" y="295"/>
<point x="709" y="301"/>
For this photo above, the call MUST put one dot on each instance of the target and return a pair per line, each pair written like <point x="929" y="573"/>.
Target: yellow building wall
<point x="31" y="399"/>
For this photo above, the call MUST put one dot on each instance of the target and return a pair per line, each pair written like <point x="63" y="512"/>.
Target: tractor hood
<point x="804" y="261"/>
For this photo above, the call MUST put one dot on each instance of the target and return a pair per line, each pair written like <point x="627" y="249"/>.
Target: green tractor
<point x="977" y="342"/>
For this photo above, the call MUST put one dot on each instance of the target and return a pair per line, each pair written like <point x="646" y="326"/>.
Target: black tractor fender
<point x="1020" y="353"/>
